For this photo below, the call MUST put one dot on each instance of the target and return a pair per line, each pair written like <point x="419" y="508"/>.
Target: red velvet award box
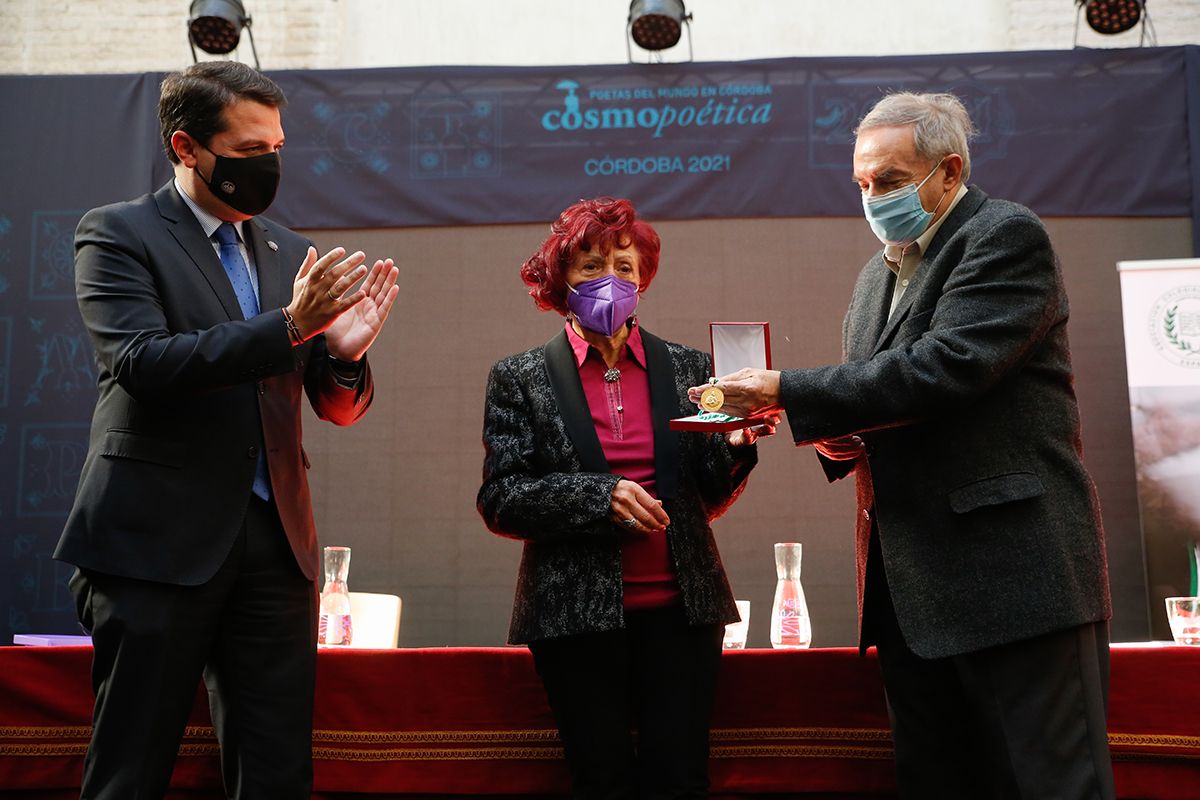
<point x="734" y="346"/>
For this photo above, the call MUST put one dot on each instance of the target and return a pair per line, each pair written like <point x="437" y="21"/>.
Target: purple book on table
<point x="50" y="639"/>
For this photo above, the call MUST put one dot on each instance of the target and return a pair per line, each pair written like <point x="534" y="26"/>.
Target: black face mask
<point x="247" y="185"/>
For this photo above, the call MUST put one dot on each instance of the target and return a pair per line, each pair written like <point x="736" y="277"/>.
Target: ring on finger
<point x="630" y="523"/>
<point x="332" y="296"/>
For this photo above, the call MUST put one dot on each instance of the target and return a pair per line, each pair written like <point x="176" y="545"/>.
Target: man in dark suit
<point x="192" y="528"/>
<point x="981" y="563"/>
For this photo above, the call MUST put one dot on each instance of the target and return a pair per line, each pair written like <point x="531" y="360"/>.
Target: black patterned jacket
<point x="547" y="483"/>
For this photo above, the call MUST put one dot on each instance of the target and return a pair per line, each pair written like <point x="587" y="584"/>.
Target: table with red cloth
<point x="474" y="722"/>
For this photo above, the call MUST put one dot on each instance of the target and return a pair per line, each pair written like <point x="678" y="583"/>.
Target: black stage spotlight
<point x="1112" y="16"/>
<point x="215" y="26"/>
<point x="656" y="25"/>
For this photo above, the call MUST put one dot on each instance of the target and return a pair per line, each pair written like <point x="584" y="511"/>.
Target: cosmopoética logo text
<point x="686" y="106"/>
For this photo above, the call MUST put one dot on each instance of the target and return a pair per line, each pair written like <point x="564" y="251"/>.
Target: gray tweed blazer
<point x="989" y="524"/>
<point x="546" y="482"/>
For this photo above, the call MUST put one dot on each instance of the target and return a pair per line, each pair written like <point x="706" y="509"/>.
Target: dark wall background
<point x="400" y="486"/>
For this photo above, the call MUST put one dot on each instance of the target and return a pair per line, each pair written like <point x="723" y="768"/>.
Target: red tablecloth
<point x="474" y="721"/>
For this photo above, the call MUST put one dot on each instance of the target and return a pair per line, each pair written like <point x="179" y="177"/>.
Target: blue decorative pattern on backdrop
<point x="48" y="469"/>
<point x="51" y="263"/>
<point x="835" y="109"/>
<point x="456" y="136"/>
<point x="65" y="361"/>
<point x="349" y="135"/>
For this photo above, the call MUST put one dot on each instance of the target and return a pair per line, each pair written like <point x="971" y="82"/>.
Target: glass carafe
<point x="336" y="627"/>
<point x="790" y="626"/>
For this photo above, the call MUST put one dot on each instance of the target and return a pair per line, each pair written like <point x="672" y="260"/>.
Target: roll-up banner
<point x="1161" y="309"/>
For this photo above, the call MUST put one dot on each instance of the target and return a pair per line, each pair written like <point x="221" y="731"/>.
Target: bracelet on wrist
<point x="293" y="330"/>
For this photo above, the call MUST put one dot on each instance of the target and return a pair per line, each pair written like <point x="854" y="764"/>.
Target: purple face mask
<point x="603" y="305"/>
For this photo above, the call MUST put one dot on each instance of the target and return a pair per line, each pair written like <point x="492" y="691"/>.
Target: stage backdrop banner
<point x="1080" y="133"/>
<point x="1161" y="305"/>
<point x="437" y="146"/>
<point x="1068" y="133"/>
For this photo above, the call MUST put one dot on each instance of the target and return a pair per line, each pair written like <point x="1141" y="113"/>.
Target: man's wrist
<point x="347" y="374"/>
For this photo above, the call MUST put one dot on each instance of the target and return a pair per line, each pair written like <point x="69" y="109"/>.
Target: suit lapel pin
<point x="272" y="245"/>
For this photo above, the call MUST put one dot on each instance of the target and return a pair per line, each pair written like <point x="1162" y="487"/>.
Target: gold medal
<point x="711" y="399"/>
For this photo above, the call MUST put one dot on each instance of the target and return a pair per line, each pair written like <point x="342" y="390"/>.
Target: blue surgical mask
<point x="898" y="217"/>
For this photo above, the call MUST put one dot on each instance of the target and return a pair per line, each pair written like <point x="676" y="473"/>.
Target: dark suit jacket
<point x="546" y="482"/>
<point x="189" y="394"/>
<point x="989" y="524"/>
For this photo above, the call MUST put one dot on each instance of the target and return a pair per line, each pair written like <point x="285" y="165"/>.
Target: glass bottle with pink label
<point x="336" y="627"/>
<point x="790" y="625"/>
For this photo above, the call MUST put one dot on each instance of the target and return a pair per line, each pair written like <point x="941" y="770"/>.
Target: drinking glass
<point x="1184" y="615"/>
<point x="735" y="632"/>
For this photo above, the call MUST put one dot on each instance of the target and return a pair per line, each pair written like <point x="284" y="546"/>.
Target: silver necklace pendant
<point x="612" y="375"/>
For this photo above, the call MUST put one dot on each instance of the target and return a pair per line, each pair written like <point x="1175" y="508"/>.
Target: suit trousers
<point x="658" y="675"/>
<point x="250" y="632"/>
<point x="1021" y="720"/>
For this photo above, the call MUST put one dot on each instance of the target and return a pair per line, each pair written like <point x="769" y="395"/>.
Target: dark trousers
<point x="1021" y="720"/>
<point x="658" y="675"/>
<point x="250" y="632"/>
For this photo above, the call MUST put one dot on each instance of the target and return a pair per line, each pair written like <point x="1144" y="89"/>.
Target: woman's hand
<point x="744" y="436"/>
<point x="631" y="502"/>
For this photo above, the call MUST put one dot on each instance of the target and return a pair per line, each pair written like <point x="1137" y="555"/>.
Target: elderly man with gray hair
<point x="981" y="565"/>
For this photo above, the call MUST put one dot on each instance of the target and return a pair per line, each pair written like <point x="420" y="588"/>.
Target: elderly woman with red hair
<point x="621" y="594"/>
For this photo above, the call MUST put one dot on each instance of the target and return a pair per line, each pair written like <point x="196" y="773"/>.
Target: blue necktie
<point x="236" y="269"/>
<point x="239" y="276"/>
